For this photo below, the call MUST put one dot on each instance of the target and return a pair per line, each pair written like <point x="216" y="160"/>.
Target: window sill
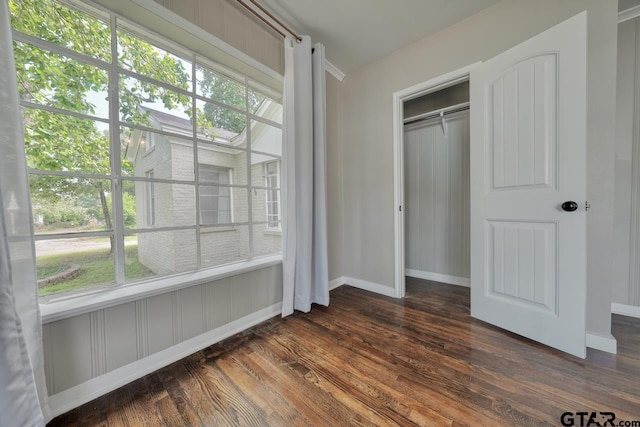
<point x="69" y="306"/>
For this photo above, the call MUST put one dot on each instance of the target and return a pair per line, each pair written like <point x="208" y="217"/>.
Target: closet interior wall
<point x="436" y="166"/>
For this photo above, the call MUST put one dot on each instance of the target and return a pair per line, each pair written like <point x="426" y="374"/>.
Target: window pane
<point x="271" y="169"/>
<point x="154" y="106"/>
<point x="150" y="204"/>
<point x="215" y="205"/>
<point x="266" y="205"/>
<point x="136" y="54"/>
<point x="58" y="142"/>
<point x="264" y="106"/>
<point x="220" y="124"/>
<point x="54" y="80"/>
<point x="171" y="157"/>
<point x="213" y="156"/>
<point x="65" y="265"/>
<point x="264" y="138"/>
<point x="224" y="245"/>
<point x="160" y="253"/>
<point x="75" y="29"/>
<point x="66" y="205"/>
<point x="266" y="241"/>
<point x="219" y="87"/>
<point x="265" y="171"/>
<point x="222" y="205"/>
<point x="214" y="173"/>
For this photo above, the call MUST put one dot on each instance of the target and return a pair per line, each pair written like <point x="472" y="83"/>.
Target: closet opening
<point x="436" y="185"/>
<point x="431" y="174"/>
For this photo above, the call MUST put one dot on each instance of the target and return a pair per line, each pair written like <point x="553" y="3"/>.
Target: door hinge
<point x="400" y="208"/>
<point x="586" y="206"/>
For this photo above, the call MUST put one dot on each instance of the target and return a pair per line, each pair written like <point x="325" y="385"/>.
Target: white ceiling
<point x="358" y="32"/>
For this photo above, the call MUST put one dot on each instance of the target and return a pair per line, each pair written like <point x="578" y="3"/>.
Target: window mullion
<point x="116" y="172"/>
<point x="56" y="110"/>
<point x="249" y="181"/>
<point x="196" y="171"/>
<point x="61" y="50"/>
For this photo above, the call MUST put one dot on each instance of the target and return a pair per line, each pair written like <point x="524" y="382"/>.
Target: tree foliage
<point x="219" y="87"/>
<point x="63" y="142"/>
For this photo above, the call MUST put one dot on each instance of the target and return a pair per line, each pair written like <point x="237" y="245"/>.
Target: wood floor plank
<point x="450" y="380"/>
<point x="370" y="360"/>
<point x="320" y="401"/>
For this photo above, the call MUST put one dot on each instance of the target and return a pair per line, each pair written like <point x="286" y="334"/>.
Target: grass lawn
<point x="97" y="269"/>
<point x="51" y="270"/>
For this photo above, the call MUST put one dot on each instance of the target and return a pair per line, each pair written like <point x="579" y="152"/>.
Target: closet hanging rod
<point x="437" y="113"/>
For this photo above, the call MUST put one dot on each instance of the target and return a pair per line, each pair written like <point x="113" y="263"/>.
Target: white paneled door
<point x="528" y="160"/>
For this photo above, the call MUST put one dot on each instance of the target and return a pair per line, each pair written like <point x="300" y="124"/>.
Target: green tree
<point x="60" y="142"/>
<point x="219" y="87"/>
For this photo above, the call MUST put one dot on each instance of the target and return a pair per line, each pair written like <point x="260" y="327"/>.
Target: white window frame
<point x="148" y="142"/>
<point x="269" y="189"/>
<point x="220" y="169"/>
<point x="62" y="306"/>
<point x="150" y="201"/>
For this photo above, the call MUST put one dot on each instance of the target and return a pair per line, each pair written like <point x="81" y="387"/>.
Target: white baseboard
<point x="370" y="286"/>
<point x="599" y="342"/>
<point x="336" y="283"/>
<point x="625" y="309"/>
<point x="82" y="393"/>
<point x="437" y="277"/>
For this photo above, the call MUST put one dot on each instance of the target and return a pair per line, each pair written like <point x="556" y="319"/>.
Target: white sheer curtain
<point x="23" y="393"/>
<point x="305" y="265"/>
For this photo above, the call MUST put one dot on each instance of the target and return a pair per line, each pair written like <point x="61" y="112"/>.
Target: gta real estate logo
<point x="595" y="419"/>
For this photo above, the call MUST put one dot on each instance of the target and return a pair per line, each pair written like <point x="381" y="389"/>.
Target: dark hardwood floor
<point x="373" y="360"/>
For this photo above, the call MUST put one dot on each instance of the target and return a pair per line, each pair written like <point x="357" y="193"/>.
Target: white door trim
<point x="432" y="85"/>
<point x="628" y="14"/>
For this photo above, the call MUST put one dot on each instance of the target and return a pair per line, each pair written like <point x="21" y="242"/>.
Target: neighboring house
<point x="223" y="204"/>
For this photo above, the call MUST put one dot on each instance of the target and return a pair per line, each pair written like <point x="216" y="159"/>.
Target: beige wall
<point x="84" y="347"/>
<point x="230" y="22"/>
<point x="367" y="131"/>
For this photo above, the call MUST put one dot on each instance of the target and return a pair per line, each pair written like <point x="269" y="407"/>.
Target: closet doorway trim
<point x="399" y="97"/>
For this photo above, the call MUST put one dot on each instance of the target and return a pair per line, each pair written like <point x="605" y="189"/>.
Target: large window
<point x="145" y="159"/>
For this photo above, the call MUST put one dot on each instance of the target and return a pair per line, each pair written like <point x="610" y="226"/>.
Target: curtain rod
<point x="273" y="27"/>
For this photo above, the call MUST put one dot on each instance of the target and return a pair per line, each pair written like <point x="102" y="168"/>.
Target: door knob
<point x="569" y="206"/>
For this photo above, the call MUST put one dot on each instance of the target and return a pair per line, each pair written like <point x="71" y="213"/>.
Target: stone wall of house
<point x="175" y="205"/>
<point x="155" y="249"/>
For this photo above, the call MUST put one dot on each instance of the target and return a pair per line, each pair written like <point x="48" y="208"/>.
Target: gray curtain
<point x="305" y="265"/>
<point x="23" y="393"/>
